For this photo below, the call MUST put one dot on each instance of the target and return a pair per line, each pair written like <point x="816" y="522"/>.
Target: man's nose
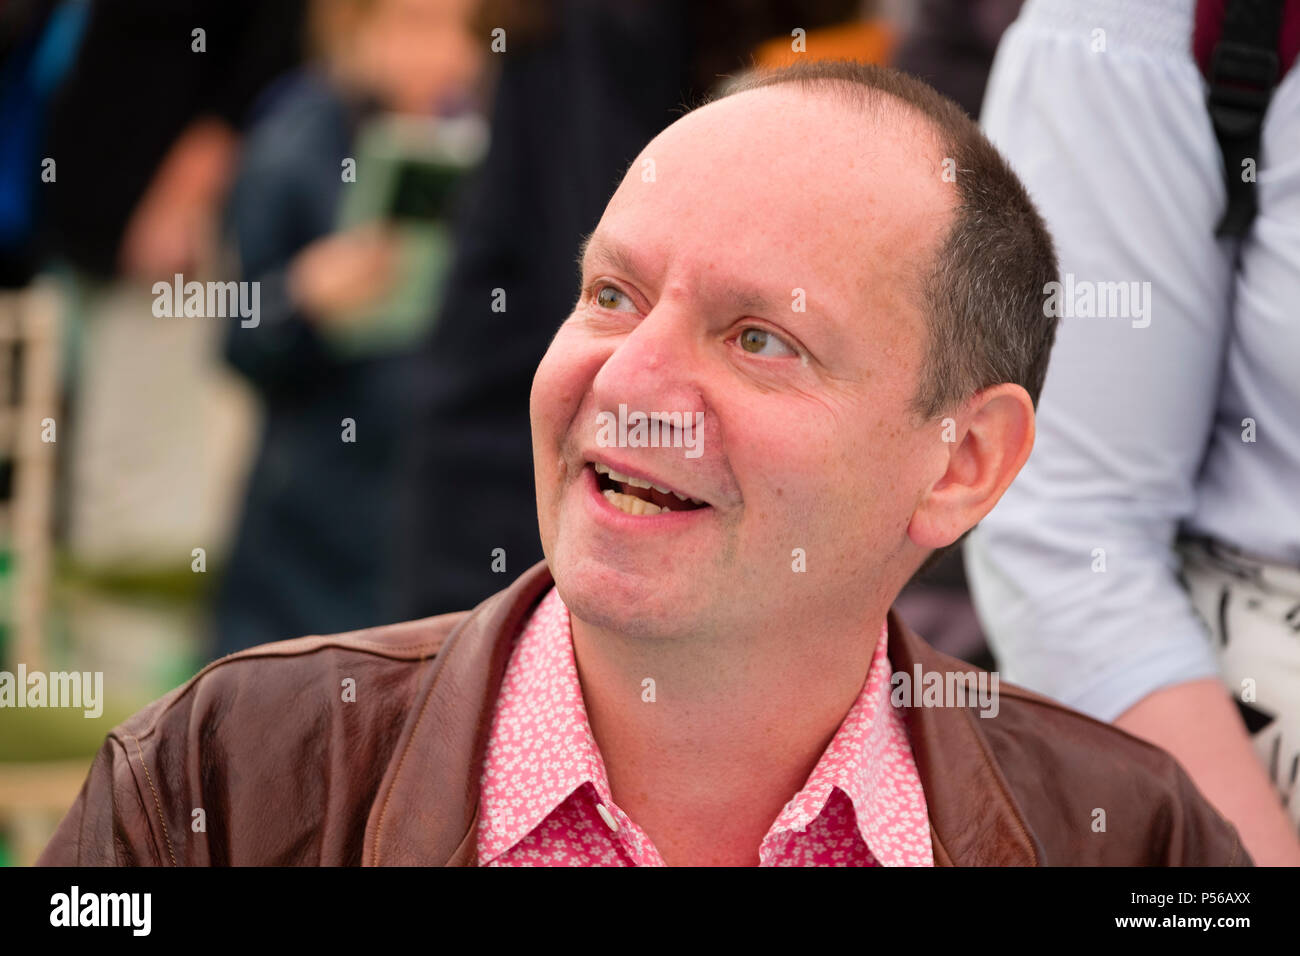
<point x="658" y="367"/>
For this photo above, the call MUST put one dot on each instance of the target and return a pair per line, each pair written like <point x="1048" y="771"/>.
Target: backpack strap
<point x="1244" y="68"/>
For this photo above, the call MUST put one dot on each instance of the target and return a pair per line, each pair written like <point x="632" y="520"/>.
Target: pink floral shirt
<point x="546" y="799"/>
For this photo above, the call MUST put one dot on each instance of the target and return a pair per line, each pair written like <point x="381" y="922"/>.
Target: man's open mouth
<point x="638" y="496"/>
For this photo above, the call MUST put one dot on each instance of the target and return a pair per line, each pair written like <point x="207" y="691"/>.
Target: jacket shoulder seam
<point x="156" y="802"/>
<point x="276" y="650"/>
<point x="1064" y="710"/>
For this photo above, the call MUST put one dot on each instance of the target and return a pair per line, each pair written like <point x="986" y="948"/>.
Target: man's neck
<point x="735" y="727"/>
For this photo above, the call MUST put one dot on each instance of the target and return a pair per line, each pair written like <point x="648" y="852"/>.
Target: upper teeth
<point x="640" y="482"/>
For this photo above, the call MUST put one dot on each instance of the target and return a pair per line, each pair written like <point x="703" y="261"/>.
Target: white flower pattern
<point x="543" y="776"/>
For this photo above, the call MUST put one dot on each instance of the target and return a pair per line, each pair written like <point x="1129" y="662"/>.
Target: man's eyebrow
<point x="750" y="300"/>
<point x="582" y="248"/>
<point x="600" y="247"/>
<point x="743" y="299"/>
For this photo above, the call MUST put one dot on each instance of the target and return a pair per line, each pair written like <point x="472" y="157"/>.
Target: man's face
<point x="758" y="271"/>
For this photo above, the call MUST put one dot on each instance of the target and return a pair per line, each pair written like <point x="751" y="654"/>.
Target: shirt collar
<point x="541" y="747"/>
<point x="864" y="760"/>
<point x="541" y="750"/>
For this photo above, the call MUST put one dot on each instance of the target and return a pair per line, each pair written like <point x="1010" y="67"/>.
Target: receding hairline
<point x="865" y="101"/>
<point x="881" y="105"/>
<point x="873" y="104"/>
<point x="877" y="103"/>
<point x="994" y="222"/>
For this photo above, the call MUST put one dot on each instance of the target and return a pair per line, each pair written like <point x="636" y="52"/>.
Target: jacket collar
<point x="974" y="821"/>
<point x="426" y="810"/>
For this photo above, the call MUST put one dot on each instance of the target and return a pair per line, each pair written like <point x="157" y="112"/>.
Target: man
<point x="822" y="295"/>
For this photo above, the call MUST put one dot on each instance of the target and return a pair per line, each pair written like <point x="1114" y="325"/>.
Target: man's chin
<point x="637" y="602"/>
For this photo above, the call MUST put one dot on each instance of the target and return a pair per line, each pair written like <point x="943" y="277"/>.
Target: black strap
<point x="1244" y="70"/>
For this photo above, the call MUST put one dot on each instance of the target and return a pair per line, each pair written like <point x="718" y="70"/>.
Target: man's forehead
<point x="781" y="190"/>
<point x="831" y="126"/>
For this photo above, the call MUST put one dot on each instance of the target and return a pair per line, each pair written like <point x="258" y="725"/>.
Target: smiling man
<point x="832" y="279"/>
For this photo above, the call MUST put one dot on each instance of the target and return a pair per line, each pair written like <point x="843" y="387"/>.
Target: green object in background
<point x="400" y="318"/>
<point x="407" y="172"/>
<point x="38" y="734"/>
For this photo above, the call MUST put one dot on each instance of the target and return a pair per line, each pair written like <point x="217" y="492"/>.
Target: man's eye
<point x="608" y="297"/>
<point x="756" y="341"/>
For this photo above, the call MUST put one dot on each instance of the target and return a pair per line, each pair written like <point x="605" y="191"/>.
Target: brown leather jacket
<point x="287" y="771"/>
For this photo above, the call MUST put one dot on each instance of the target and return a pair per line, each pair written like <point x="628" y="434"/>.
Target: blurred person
<point x="128" y="169"/>
<point x="145" y="129"/>
<point x="528" y="732"/>
<point x="1150" y="551"/>
<point x="38" y="45"/>
<point x="314" y="543"/>
<point x="583" y="84"/>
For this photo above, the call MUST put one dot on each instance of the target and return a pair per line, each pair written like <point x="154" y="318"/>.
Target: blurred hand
<point x="343" y="272"/>
<point x="172" y="228"/>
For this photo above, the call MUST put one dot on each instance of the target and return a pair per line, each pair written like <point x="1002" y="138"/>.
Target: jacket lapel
<point x="973" y="819"/>
<point x="426" y="811"/>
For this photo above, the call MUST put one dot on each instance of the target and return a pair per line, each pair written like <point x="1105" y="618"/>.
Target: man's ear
<point x="993" y="438"/>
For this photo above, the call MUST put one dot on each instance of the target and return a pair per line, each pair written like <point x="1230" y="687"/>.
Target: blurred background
<point x="187" y="468"/>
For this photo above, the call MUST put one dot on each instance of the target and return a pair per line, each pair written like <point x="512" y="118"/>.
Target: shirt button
<point x="607" y="817"/>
